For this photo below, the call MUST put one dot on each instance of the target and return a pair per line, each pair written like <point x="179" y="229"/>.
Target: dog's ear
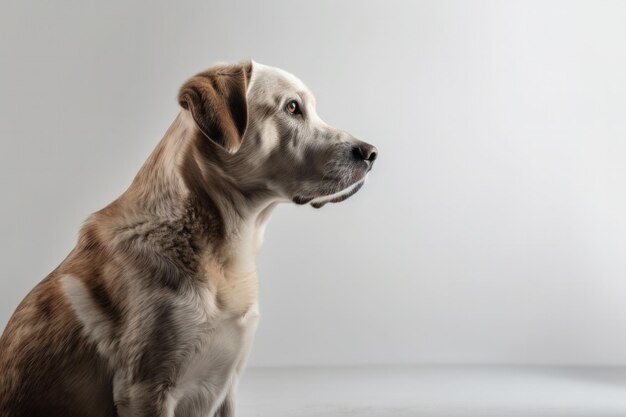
<point x="217" y="100"/>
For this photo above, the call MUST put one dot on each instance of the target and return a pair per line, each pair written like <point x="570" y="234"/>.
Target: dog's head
<point x="261" y="126"/>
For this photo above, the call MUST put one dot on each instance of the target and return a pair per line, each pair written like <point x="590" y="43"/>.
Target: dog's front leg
<point x="146" y="400"/>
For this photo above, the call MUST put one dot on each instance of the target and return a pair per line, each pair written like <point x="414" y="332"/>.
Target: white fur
<point x="214" y="369"/>
<point x="95" y="324"/>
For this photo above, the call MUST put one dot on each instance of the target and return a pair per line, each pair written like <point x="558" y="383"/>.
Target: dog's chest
<point x="221" y="345"/>
<point x="221" y="319"/>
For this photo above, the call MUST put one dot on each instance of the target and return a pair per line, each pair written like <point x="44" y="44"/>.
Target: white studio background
<point x="493" y="226"/>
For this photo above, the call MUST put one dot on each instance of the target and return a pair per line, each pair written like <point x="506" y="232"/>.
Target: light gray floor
<point x="433" y="391"/>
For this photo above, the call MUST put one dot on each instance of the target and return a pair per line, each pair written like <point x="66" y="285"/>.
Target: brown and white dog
<point x="154" y="311"/>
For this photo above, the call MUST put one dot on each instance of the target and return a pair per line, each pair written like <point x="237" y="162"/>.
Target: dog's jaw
<point x="339" y="196"/>
<point x="336" y="197"/>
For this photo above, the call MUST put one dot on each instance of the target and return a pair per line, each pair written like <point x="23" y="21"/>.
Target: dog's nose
<point x="365" y="151"/>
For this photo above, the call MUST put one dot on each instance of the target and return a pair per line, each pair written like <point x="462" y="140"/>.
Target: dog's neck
<point x="178" y="184"/>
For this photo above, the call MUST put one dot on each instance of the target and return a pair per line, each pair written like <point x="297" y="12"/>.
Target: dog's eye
<point x="293" y="107"/>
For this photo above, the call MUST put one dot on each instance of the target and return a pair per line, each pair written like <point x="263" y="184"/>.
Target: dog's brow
<point x="306" y="96"/>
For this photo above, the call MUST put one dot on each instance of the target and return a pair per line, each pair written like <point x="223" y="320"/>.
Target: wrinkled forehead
<point x="273" y="85"/>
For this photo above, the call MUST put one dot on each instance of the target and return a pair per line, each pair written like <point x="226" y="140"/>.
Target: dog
<point x="153" y="312"/>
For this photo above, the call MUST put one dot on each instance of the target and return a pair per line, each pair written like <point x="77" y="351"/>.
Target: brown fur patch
<point x="217" y="100"/>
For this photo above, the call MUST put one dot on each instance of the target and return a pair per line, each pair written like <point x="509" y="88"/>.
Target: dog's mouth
<point x="336" y="197"/>
<point x="336" y="186"/>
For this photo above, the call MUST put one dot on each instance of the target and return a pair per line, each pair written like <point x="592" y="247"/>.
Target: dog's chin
<point x="322" y="200"/>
